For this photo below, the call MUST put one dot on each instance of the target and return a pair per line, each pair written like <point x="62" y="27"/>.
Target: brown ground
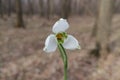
<point x="22" y="56"/>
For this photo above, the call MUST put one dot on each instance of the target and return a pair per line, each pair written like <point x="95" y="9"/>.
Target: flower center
<point x="61" y="37"/>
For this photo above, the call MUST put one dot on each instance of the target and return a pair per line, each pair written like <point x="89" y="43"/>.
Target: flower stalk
<point x="64" y="58"/>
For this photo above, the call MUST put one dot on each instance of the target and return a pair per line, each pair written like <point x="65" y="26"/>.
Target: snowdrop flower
<point x="60" y="36"/>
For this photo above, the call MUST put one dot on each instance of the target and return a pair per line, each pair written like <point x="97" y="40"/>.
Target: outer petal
<point x="60" y="26"/>
<point x="71" y="43"/>
<point x="50" y="44"/>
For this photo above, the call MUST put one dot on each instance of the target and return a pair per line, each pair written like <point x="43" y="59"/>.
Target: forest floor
<point x="22" y="56"/>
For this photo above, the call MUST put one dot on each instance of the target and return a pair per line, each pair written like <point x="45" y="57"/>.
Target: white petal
<point x="60" y="26"/>
<point x="71" y="43"/>
<point x="50" y="44"/>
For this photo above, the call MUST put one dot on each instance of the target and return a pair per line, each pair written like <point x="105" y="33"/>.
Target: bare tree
<point x="1" y="9"/>
<point x="103" y="27"/>
<point x="41" y="4"/>
<point x="94" y="31"/>
<point x="66" y="4"/>
<point x="31" y="10"/>
<point x="51" y="7"/>
<point x="19" y="13"/>
<point x="48" y="9"/>
<point x="9" y="7"/>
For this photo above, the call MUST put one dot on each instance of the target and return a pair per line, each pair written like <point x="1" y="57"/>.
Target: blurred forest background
<point x="25" y="24"/>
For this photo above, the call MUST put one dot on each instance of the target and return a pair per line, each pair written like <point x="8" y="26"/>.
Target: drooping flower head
<point x="60" y="36"/>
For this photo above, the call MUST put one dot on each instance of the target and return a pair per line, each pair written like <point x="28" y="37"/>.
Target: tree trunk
<point x="1" y="9"/>
<point x="66" y="8"/>
<point x="20" y="23"/>
<point x="48" y="9"/>
<point x="51" y="7"/>
<point x="94" y="31"/>
<point x="41" y="4"/>
<point x="31" y="10"/>
<point x="103" y="27"/>
<point x="9" y="7"/>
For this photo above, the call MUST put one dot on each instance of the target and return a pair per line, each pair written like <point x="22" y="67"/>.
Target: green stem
<point x="64" y="58"/>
